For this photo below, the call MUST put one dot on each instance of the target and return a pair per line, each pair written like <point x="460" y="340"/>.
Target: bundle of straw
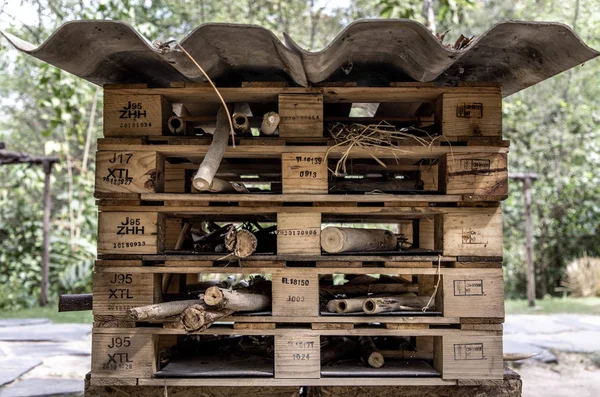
<point x="382" y="135"/>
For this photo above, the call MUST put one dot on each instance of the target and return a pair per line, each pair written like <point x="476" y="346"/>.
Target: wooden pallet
<point x="458" y="114"/>
<point x="509" y="386"/>
<point x="464" y="296"/>
<point x="449" y="231"/>
<point x="126" y="170"/>
<point x="456" y="354"/>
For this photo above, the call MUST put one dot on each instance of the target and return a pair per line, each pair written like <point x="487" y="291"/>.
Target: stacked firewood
<point x="214" y="304"/>
<point x="371" y="295"/>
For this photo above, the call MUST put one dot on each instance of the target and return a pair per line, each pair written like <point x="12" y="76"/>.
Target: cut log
<point x="161" y="310"/>
<point x="270" y="123"/>
<point x="338" y="349"/>
<point x="74" y="302"/>
<point x="209" y="166"/>
<point x="347" y="239"/>
<point x="394" y="303"/>
<point x="365" y="289"/>
<point x="241" y="125"/>
<point x="242" y="243"/>
<point x="177" y="125"/>
<point x="198" y="318"/>
<point x="351" y="305"/>
<point x="369" y="352"/>
<point x="236" y="300"/>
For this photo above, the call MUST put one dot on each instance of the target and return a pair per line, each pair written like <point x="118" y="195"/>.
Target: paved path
<point x="41" y="359"/>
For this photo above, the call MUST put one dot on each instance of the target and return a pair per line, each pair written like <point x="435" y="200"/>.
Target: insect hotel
<point x="303" y="222"/>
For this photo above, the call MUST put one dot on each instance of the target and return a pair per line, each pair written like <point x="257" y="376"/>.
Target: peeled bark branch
<point x="236" y="300"/>
<point x="347" y="239"/>
<point x="204" y="177"/>
<point x="365" y="289"/>
<point x="370" y="354"/>
<point x="161" y="310"/>
<point x="394" y="303"/>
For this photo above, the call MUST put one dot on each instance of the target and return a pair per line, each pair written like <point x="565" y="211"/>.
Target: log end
<point x="376" y="360"/>
<point x="332" y="239"/>
<point x="369" y="306"/>
<point x="201" y="184"/>
<point x="192" y="318"/>
<point x="213" y="296"/>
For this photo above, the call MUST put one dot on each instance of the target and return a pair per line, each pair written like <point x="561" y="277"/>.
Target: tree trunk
<point x="394" y="303"/>
<point x="46" y="234"/>
<point x="236" y="300"/>
<point x="338" y="239"/>
<point x="369" y="351"/>
<point x="209" y="166"/>
<point x="161" y="310"/>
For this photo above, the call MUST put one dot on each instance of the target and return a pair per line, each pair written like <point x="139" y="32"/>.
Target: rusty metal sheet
<point x="371" y="52"/>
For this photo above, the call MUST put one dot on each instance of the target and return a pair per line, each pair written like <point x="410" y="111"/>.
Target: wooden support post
<point x="46" y="233"/>
<point x="527" y="178"/>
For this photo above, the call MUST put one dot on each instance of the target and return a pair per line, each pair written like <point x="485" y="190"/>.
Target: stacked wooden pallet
<point x="439" y="191"/>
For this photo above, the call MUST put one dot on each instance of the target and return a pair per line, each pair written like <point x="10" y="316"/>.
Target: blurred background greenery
<point x="553" y="127"/>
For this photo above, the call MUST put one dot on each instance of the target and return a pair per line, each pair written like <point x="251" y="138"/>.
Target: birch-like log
<point x="236" y="300"/>
<point x="369" y="351"/>
<point x="270" y="123"/>
<point x="347" y="239"/>
<point x="365" y="289"/>
<point x="161" y="310"/>
<point x="198" y="318"/>
<point x="394" y="303"/>
<point x="350" y="305"/>
<point x="209" y="166"/>
<point x="222" y="186"/>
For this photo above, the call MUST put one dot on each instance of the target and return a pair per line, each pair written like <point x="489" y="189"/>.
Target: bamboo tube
<point x="347" y="239"/>
<point x="209" y="166"/>
<point x="351" y="305"/>
<point x="394" y="303"/>
<point x="241" y="125"/>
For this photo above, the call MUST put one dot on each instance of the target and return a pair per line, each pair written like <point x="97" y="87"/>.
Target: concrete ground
<point x="42" y="359"/>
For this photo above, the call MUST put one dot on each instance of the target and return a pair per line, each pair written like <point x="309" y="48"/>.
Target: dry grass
<point x="583" y="277"/>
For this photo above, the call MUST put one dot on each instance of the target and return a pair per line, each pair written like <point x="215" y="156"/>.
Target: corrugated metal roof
<point x="371" y="52"/>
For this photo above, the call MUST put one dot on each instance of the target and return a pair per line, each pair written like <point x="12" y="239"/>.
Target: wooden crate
<point x="458" y="114"/>
<point x="464" y="294"/>
<point x="449" y="231"/>
<point x="457" y="355"/>
<point x="144" y="170"/>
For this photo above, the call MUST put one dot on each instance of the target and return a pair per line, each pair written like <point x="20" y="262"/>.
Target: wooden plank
<point x="475" y="114"/>
<point x="238" y="325"/>
<point x="115" y="293"/>
<point x="125" y="172"/>
<point x="303" y="173"/>
<point x="171" y="186"/>
<point x="123" y="355"/>
<point x="474" y="174"/>
<point x="297" y="357"/>
<point x="476" y="234"/>
<point x="295" y="293"/>
<point x="127" y="232"/>
<point x="301" y="115"/>
<point x="473" y="293"/>
<point x="113" y="382"/>
<point x="134" y="115"/>
<point x="428" y="382"/>
<point x="407" y="264"/>
<point x="299" y="233"/>
<point x="471" y="356"/>
<point x="337" y="326"/>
